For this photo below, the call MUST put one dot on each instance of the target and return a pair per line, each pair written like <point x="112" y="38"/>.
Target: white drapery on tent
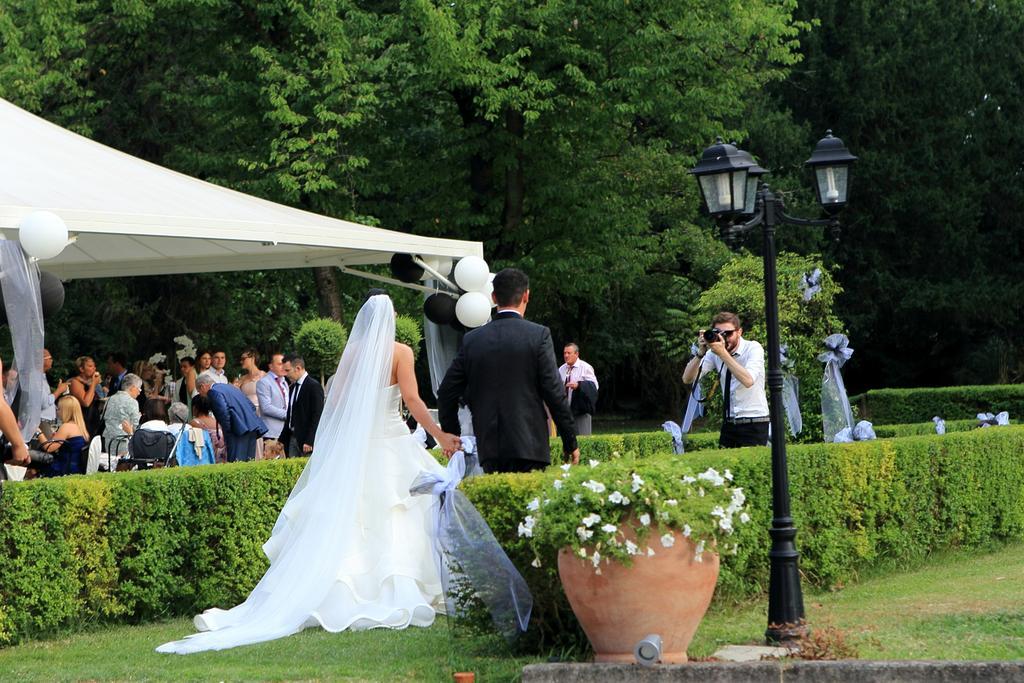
<point x="130" y="217"/>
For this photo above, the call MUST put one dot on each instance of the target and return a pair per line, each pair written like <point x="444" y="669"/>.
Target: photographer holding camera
<point x="739" y="363"/>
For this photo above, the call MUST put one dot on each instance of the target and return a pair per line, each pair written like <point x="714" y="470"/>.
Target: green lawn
<point x="957" y="606"/>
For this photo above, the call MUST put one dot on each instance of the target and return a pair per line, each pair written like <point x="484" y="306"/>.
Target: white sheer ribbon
<point x="470" y="559"/>
<point x="19" y="281"/>
<point x="836" y="414"/>
<point x="790" y="392"/>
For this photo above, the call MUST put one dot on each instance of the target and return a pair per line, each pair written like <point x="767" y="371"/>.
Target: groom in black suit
<point x="305" y="404"/>
<point x="505" y="372"/>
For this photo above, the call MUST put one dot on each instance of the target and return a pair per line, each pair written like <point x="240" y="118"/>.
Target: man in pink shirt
<point x="580" y="388"/>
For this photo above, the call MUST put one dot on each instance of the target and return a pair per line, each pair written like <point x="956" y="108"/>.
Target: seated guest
<point x="85" y="386"/>
<point x="155" y="417"/>
<point x="121" y="416"/>
<point x="68" y="443"/>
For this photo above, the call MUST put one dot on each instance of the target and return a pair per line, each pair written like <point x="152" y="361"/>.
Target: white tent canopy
<point x="130" y="217"/>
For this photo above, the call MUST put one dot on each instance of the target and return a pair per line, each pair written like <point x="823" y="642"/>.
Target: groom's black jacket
<point x="505" y="372"/>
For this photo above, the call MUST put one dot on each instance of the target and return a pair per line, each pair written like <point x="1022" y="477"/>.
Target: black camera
<point x="712" y="335"/>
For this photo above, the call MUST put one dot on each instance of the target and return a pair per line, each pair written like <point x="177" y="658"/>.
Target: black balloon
<point x="439" y="309"/>
<point x="51" y="291"/>
<point x="405" y="269"/>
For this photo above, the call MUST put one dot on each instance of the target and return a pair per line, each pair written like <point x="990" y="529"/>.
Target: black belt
<point x="747" y="420"/>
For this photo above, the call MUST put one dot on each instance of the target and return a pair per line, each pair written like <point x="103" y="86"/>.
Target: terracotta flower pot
<point x="666" y="594"/>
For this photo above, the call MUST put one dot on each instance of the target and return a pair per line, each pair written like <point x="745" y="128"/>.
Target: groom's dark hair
<point x="510" y="285"/>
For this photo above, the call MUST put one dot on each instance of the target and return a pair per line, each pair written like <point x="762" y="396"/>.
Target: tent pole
<point x="386" y="280"/>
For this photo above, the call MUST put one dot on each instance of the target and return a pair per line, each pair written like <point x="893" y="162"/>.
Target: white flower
<point x="157" y="358"/>
<point x="668" y="540"/>
<point x="615" y="497"/>
<point x="591" y="519"/>
<point x="744" y="517"/>
<point x="595" y="486"/>
<point x="565" y="467"/>
<point x="533" y="505"/>
<point x="582" y="552"/>
<point x="536" y="562"/>
<point x="637" y="483"/>
<point x="188" y="347"/>
<point x="712" y="476"/>
<point x="663" y="516"/>
<point x="584" y="533"/>
<point x="738" y="497"/>
<point x="632" y="548"/>
<point x="557" y="483"/>
<point x="700" y="491"/>
<point x="596" y="558"/>
<point x="728" y="475"/>
<point x="672" y="501"/>
<point x="645" y="519"/>
<point x="687" y="530"/>
<point x="577" y="498"/>
<point x="625" y="500"/>
<point x="609" y="528"/>
<point x="526" y="526"/>
<point x="700" y="548"/>
<point x="594" y="463"/>
<point x="688" y="479"/>
<point x="650" y="551"/>
<point x="725" y="524"/>
<point x="717" y="511"/>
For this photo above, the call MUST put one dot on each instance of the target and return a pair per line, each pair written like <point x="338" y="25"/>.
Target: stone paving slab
<point x="791" y="671"/>
<point x="750" y="653"/>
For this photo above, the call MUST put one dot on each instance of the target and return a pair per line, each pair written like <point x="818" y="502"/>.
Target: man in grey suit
<point x="505" y="372"/>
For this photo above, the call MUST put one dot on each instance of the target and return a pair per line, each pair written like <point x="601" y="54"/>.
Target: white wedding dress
<point x="352" y="549"/>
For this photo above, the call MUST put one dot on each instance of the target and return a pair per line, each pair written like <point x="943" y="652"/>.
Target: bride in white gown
<point x="351" y="549"/>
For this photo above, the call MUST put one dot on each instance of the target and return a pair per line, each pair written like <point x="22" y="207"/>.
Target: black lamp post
<point x="728" y="179"/>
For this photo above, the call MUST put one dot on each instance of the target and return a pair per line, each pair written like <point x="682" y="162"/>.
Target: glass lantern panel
<point x="832" y="184"/>
<point x="717" y="192"/>
<point x="739" y="188"/>
<point x="751" y="197"/>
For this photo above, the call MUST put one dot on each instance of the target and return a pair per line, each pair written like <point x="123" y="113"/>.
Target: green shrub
<point x="409" y="332"/>
<point x="320" y="342"/>
<point x="855" y="505"/>
<point x="150" y="545"/>
<point x="897" y="406"/>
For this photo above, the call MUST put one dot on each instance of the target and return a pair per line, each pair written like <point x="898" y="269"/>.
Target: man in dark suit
<point x="236" y="416"/>
<point x="305" y="403"/>
<point x="505" y="372"/>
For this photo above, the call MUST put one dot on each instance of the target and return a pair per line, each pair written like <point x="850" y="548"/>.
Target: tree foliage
<point x="928" y="95"/>
<point x="559" y="133"/>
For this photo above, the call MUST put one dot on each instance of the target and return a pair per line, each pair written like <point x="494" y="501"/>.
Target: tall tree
<point x="928" y="94"/>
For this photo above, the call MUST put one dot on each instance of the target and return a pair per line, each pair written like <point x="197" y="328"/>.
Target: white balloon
<point x="488" y="290"/>
<point x="471" y="273"/>
<point x="473" y="309"/>
<point x="43" y="234"/>
<point x="442" y="264"/>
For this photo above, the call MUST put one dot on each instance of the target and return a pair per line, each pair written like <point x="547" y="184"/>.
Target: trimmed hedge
<point x="602" y="446"/>
<point x="140" y="546"/>
<point x="899" y="406"/>
<point x="855" y="505"/>
<point x="135" y="546"/>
